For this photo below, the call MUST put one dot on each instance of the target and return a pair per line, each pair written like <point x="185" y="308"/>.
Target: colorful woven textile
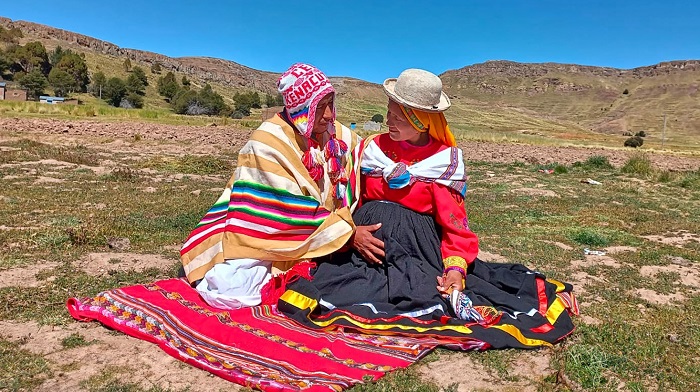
<point x="255" y="347"/>
<point x="271" y="208"/>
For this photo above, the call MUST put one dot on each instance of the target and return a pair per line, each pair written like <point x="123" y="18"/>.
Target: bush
<point x="665" y="176"/>
<point x="589" y="237"/>
<point x="598" y="162"/>
<point x="378" y="118"/>
<point x="634" y="141"/>
<point x="641" y="134"/>
<point x="638" y="163"/>
<point x="626" y="92"/>
<point x="560" y="169"/>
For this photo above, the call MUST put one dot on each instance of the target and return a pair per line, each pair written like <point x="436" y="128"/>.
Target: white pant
<point x="235" y="283"/>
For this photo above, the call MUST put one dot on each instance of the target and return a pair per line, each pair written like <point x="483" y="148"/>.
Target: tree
<point x="127" y="65"/>
<point x="61" y="82"/>
<point x="132" y="101"/>
<point x="56" y="55"/>
<point x="182" y="100"/>
<point x="378" y="118"/>
<point x="99" y="81"/>
<point x="155" y="68"/>
<point x="4" y="63"/>
<point x="269" y="100"/>
<point x="167" y="86"/>
<point x="75" y="66"/>
<point x="30" y="56"/>
<point x="242" y="105"/>
<point x="35" y="82"/>
<point x="634" y="141"/>
<point x="134" y="85"/>
<point x="140" y="74"/>
<point x="185" y="82"/>
<point x="114" y="91"/>
<point x="255" y="100"/>
<point x="211" y="100"/>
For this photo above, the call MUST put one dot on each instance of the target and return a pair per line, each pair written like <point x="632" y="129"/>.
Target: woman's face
<point x="323" y="114"/>
<point x="400" y="129"/>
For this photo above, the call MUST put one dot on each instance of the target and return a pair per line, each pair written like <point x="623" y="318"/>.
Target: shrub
<point x="598" y="162"/>
<point x="634" y="141"/>
<point x="589" y="237"/>
<point x="378" y="118"/>
<point x="638" y="163"/>
<point x="560" y="169"/>
<point x="664" y="176"/>
<point x="625" y="92"/>
<point x="641" y="134"/>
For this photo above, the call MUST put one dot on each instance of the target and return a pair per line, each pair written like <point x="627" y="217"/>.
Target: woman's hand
<point x="452" y="280"/>
<point x="370" y="247"/>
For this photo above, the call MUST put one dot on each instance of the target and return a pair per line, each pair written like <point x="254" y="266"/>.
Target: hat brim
<point x="389" y="90"/>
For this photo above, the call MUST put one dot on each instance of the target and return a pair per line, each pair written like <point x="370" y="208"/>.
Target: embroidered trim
<point x="413" y="118"/>
<point x="455" y="263"/>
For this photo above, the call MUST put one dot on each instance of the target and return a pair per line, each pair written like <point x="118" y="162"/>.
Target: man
<point x="289" y="201"/>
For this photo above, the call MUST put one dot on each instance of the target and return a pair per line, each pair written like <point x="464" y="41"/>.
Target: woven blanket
<point x="255" y="347"/>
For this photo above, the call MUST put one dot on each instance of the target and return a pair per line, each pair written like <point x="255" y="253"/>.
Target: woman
<point x="288" y="201"/>
<point x="413" y="183"/>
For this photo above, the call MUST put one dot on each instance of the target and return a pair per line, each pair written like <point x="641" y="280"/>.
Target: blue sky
<point x="374" y="39"/>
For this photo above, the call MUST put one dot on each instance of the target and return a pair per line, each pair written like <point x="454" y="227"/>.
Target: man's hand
<point x="450" y="281"/>
<point x="370" y="247"/>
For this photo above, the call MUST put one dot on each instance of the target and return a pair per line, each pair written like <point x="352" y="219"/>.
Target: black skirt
<point x="520" y="307"/>
<point x="405" y="283"/>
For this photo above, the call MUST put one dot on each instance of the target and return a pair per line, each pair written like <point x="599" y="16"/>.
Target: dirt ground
<point x="150" y="366"/>
<point x="204" y="139"/>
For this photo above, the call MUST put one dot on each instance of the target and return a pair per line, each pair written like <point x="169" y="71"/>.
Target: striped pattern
<point x="254" y="347"/>
<point x="271" y="208"/>
<point x="501" y="327"/>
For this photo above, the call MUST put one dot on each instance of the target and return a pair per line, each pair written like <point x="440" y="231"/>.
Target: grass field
<point x="640" y="324"/>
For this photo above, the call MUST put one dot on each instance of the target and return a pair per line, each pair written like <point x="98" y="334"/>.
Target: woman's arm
<point x="459" y="245"/>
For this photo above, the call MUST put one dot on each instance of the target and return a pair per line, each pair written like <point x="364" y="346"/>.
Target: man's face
<point x="324" y="114"/>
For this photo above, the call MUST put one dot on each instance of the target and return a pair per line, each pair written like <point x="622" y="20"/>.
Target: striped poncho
<point x="271" y="208"/>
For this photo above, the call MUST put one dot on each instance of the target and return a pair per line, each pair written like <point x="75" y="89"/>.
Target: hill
<point x="599" y="99"/>
<point x="498" y="100"/>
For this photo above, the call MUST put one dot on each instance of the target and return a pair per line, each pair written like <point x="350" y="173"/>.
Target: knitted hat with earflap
<point x="302" y="87"/>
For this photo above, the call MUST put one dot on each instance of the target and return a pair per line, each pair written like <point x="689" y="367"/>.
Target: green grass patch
<point x="20" y="370"/>
<point x="405" y="380"/>
<point x="75" y="340"/>
<point x="590" y="237"/>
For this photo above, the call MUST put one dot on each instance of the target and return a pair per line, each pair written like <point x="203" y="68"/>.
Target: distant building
<point x="372" y="126"/>
<point x="11" y="94"/>
<point x="57" y="100"/>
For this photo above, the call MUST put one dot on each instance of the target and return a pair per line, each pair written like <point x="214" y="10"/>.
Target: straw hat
<point x="417" y="89"/>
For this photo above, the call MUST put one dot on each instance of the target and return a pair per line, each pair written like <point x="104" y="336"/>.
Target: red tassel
<point x="275" y="287"/>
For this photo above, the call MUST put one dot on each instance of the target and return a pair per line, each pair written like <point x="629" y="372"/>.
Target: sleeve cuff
<point x="455" y="263"/>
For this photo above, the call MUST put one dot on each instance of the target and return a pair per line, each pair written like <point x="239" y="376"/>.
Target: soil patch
<point x="98" y="264"/>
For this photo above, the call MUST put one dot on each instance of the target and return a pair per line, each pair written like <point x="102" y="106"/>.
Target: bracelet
<point x="455" y="263"/>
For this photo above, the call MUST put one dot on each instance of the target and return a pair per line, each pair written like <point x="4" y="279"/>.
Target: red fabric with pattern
<point x="255" y="347"/>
